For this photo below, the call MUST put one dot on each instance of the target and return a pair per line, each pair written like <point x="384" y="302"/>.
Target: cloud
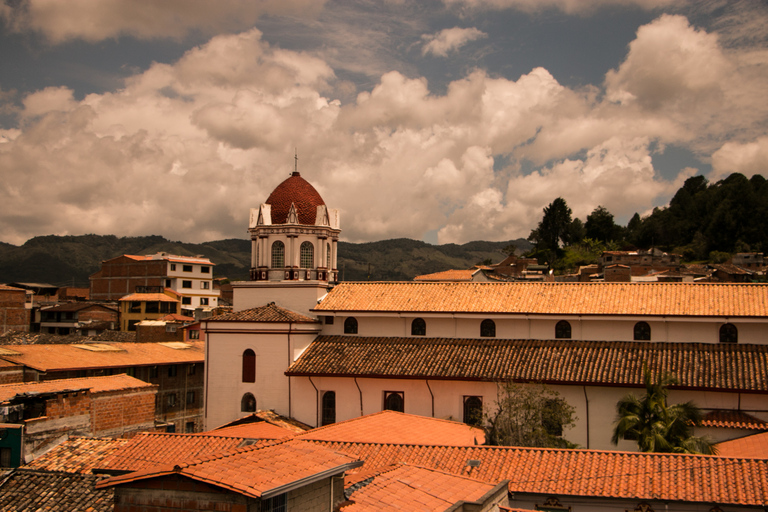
<point x="95" y="21"/>
<point x="567" y="6"/>
<point x="449" y="40"/>
<point x="749" y="159"/>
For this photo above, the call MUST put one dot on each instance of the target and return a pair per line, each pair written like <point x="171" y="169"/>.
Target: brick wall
<point x="169" y="493"/>
<point x="121" y="276"/>
<point x="116" y="413"/>
<point x="11" y="374"/>
<point x="98" y="314"/>
<point x="156" y="333"/>
<point x="14" y="316"/>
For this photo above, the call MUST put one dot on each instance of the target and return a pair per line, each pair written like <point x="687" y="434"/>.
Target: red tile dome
<point x="298" y="191"/>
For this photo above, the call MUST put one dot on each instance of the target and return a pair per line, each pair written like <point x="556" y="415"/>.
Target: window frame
<point x="642" y="331"/>
<point x="390" y="394"/>
<point x="328" y="408"/>
<point x="278" y="254"/>
<point x="468" y="413"/>
<point x="245" y="405"/>
<point x="248" y="373"/>
<point x="563" y="330"/>
<point x="351" y="325"/>
<point x="307" y="255"/>
<point x="418" y="327"/>
<point x="487" y="328"/>
<point x="187" y="268"/>
<point x="728" y="333"/>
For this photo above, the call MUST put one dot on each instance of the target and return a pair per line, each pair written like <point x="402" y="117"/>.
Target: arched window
<point x="563" y="330"/>
<point x="329" y="408"/>
<point x="350" y="325"/>
<point x="418" y="327"/>
<point x="473" y="410"/>
<point x="394" y="401"/>
<point x="249" y="366"/>
<point x="278" y="254"/>
<point x="307" y="255"/>
<point x="248" y="403"/>
<point x="729" y="334"/>
<point x="488" y="328"/>
<point x="642" y="331"/>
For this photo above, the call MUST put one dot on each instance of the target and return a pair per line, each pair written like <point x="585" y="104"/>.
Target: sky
<point x="444" y="121"/>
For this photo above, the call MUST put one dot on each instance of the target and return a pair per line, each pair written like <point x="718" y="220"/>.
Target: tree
<point x="554" y="226"/>
<point x="656" y="426"/>
<point x="601" y="226"/>
<point x="529" y="415"/>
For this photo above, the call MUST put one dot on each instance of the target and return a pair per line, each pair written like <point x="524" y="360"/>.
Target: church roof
<point x="269" y="313"/>
<point x="656" y="299"/>
<point x="610" y="363"/>
<point x="299" y="192"/>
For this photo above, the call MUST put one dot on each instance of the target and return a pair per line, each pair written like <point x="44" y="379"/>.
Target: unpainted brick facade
<point x="121" y="276"/>
<point x="14" y="315"/>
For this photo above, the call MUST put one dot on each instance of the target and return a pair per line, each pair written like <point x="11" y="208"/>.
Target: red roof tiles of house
<point x="733" y="419"/>
<point x="665" y="299"/>
<point x="390" y="427"/>
<point x="606" y="474"/>
<point x="269" y="313"/>
<point x="696" y="365"/>
<point x="754" y="446"/>
<point x="256" y="430"/>
<point x="60" y="357"/>
<point x="32" y="490"/>
<point x="255" y="471"/>
<point x="148" y="297"/>
<point x="407" y="487"/>
<point x="272" y="417"/>
<point x="175" y="317"/>
<point x="94" y="384"/>
<point x="78" y="455"/>
<point x="448" y="275"/>
<point x="299" y="192"/>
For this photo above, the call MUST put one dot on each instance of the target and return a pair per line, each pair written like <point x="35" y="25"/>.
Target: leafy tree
<point x="657" y="426"/>
<point x="529" y="415"/>
<point x="553" y="228"/>
<point x="601" y="226"/>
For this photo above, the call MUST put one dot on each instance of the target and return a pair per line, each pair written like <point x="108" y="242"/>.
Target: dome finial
<point x="295" y="162"/>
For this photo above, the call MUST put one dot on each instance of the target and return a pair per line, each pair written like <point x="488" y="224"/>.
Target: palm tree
<point x="656" y="426"/>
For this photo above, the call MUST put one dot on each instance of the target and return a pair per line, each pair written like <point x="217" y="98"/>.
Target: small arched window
<point x="563" y="330"/>
<point x="642" y="331"/>
<point x="729" y="334"/>
<point x="307" y="255"/>
<point x="248" y="403"/>
<point x="473" y="410"/>
<point x="329" y="408"/>
<point x="350" y="325"/>
<point x="249" y="366"/>
<point x="278" y="254"/>
<point x="418" y="327"/>
<point x="394" y="401"/>
<point x="488" y="328"/>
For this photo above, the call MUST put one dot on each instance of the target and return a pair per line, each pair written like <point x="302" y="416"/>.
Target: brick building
<point x="14" y="314"/>
<point x="83" y="317"/>
<point x="110" y="406"/>
<point x="147" y="306"/>
<point x="175" y="368"/>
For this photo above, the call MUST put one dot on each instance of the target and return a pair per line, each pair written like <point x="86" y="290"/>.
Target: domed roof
<point x="298" y="191"/>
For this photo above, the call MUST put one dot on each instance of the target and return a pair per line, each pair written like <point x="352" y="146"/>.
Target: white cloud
<point x="104" y="19"/>
<point x="450" y="40"/>
<point x="567" y="6"/>
<point x="749" y="159"/>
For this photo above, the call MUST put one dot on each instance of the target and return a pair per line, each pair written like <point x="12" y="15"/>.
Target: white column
<point x="254" y="252"/>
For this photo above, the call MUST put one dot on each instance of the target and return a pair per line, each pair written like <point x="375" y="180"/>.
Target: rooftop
<point x="448" y="275"/>
<point x="257" y="430"/>
<point x="148" y="297"/>
<point x="269" y="313"/>
<point x="754" y="446"/>
<point x="78" y="454"/>
<point x="52" y="357"/>
<point x="733" y="419"/>
<point x="299" y="192"/>
<point x="697" y="365"/>
<point x="94" y="384"/>
<point x="657" y="299"/>
<point x="33" y="490"/>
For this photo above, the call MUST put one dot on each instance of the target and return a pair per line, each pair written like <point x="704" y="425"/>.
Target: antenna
<point x="295" y="161"/>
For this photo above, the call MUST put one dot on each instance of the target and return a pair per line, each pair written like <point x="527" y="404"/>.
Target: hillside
<point x="69" y="260"/>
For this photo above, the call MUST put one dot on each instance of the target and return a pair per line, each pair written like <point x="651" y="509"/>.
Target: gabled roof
<point x="78" y="454"/>
<point x="78" y="306"/>
<point x="271" y="417"/>
<point x="448" y="275"/>
<point x="148" y="297"/>
<point x="398" y="428"/>
<point x="94" y="384"/>
<point x="729" y="367"/>
<point x="268" y="313"/>
<point x="602" y="474"/>
<point x="754" y="446"/>
<point x="257" y="430"/>
<point x="657" y="299"/>
<point x="408" y="487"/>
<point x="59" y="357"/>
<point x="733" y="419"/>
<point x="255" y="471"/>
<point x="28" y="490"/>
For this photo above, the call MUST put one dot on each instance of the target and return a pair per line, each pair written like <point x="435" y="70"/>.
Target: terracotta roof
<point x="32" y="490"/>
<point x="102" y="355"/>
<point x="148" y="297"/>
<point x="149" y="449"/>
<point x="605" y="474"/>
<point x="5" y="287"/>
<point x="407" y="487"/>
<point x="733" y="419"/>
<point x="255" y="471"/>
<point x="270" y="417"/>
<point x="754" y="446"/>
<point x="78" y="454"/>
<point x="697" y="365"/>
<point x="669" y="299"/>
<point x="295" y="190"/>
<point x="95" y="384"/>
<point x="269" y="313"/>
<point x="167" y="257"/>
<point x="77" y="306"/>
<point x="257" y="430"/>
<point x="398" y="428"/>
<point x="731" y="269"/>
<point x="448" y="275"/>
<point x="175" y="317"/>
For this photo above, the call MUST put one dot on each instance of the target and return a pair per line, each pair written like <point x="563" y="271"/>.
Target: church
<point x="321" y="351"/>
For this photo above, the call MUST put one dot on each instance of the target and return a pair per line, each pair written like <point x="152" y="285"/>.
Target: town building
<point x="641" y="262"/>
<point x="14" y="309"/>
<point x="78" y="317"/>
<point x="147" y="306"/>
<point x="190" y="277"/>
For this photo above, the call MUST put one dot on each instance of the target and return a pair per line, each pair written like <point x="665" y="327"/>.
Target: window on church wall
<point x="488" y="328"/>
<point x="248" y="403"/>
<point x="563" y="330"/>
<point x="394" y="401"/>
<point x="307" y="253"/>
<point x="328" y="408"/>
<point x="473" y="410"/>
<point x="278" y="254"/>
<point x="642" y="331"/>
<point x="729" y="334"/>
<point x="418" y="327"/>
<point x="249" y="366"/>
<point x="350" y="325"/>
